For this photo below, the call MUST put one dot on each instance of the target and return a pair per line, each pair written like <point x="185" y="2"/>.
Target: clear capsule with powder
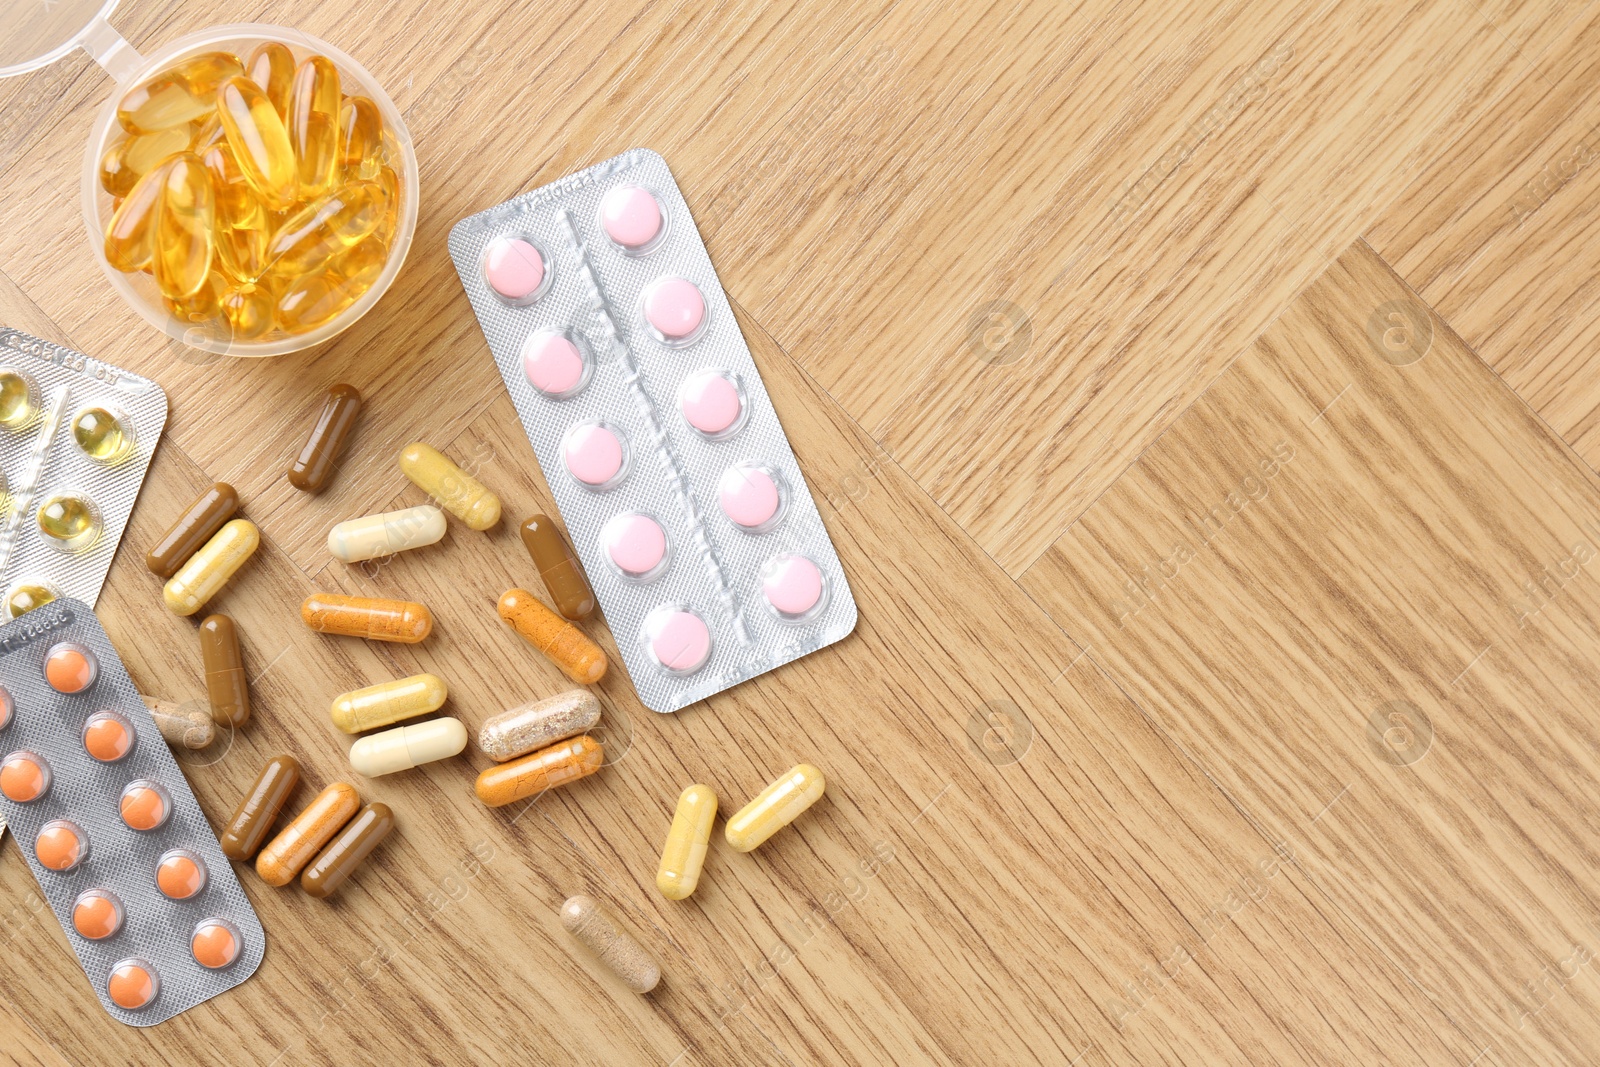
<point x="537" y="725"/>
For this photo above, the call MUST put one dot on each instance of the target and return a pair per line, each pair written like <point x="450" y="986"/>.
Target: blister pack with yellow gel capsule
<point x="676" y="483"/>
<point x="105" y="818"/>
<point x="76" y="439"/>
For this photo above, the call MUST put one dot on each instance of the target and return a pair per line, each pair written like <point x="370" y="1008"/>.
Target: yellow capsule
<point x="204" y="304"/>
<point x="248" y="309"/>
<point x="314" y="124"/>
<point x="209" y="569"/>
<point x="69" y="522"/>
<point x="130" y="159"/>
<point x="389" y="181"/>
<point x="259" y="142"/>
<point x="388" y="702"/>
<point x="182" y="93"/>
<point x="207" y="132"/>
<point x="19" y="398"/>
<point x="238" y="205"/>
<point x="183" y="228"/>
<point x="130" y="236"/>
<point x="778" y="805"/>
<point x="102" y="434"/>
<point x="457" y="492"/>
<point x="271" y="66"/>
<point x="23" y="598"/>
<point x="311" y="300"/>
<point x="685" y="851"/>
<point x="361" y="136"/>
<point x="325" y="227"/>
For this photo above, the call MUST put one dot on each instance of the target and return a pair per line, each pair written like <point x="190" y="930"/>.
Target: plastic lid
<point x="36" y="33"/>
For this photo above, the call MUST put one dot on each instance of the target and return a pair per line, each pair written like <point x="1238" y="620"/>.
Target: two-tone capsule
<point x="406" y="747"/>
<point x="561" y="763"/>
<point x="259" y="809"/>
<point x="372" y="536"/>
<point x="209" y="569"/>
<point x="684" y="853"/>
<point x="388" y="702"/>
<point x="537" y="725"/>
<point x="374" y="618"/>
<point x="778" y="805"/>
<point x="190" y="727"/>
<point x="458" y="492"/>
<point x="561" y="642"/>
<point x="288" y="853"/>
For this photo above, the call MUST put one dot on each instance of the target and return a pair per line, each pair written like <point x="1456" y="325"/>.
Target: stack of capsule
<point x="260" y="197"/>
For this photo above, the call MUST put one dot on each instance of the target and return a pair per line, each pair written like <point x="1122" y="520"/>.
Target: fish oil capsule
<point x="325" y="227"/>
<point x="562" y="574"/>
<point x="537" y="725"/>
<point x="345" y="853"/>
<point x="108" y="736"/>
<point x="130" y="235"/>
<point x="134" y="984"/>
<point x="374" y="618"/>
<point x="314" y="105"/>
<point x="204" y="516"/>
<point x="180" y="725"/>
<point x="24" y="777"/>
<point x="458" y="492"/>
<point x="215" y="943"/>
<point x="104" y="435"/>
<point x="69" y="522"/>
<point x="26" y="596"/>
<point x="563" y="762"/>
<point x="128" y="160"/>
<point x="406" y="747"/>
<point x="778" y="805"/>
<point x="330" y="434"/>
<point x="227" y="686"/>
<point x="561" y="642"/>
<point x="617" y="950"/>
<point x="249" y="311"/>
<point x="312" y="299"/>
<point x="361" y="138"/>
<point x="209" y="569"/>
<point x="684" y="854"/>
<point x="70" y="668"/>
<point x="180" y="874"/>
<point x="259" y="809"/>
<point x="204" y="305"/>
<point x="19" y="398"/>
<point x="303" y="838"/>
<point x="388" y="702"/>
<point x="241" y="217"/>
<point x="259" y="141"/>
<point x="182" y="93"/>
<point x="271" y="66"/>
<point x="61" y="845"/>
<point x="145" y="805"/>
<point x="373" y="536"/>
<point x="97" y="914"/>
<point x="182" y="255"/>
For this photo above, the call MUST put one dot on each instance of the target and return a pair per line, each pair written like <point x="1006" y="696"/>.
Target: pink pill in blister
<point x="515" y="269"/>
<point x="593" y="453"/>
<point x="749" y="496"/>
<point x="792" y="585"/>
<point x="675" y="309"/>
<point x="636" y="544"/>
<point x="631" y="217"/>
<point x="679" y="640"/>
<point x="710" y="402"/>
<point x="553" y="364"/>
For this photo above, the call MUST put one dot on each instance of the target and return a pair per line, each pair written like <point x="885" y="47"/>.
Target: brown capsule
<point x="226" y="684"/>
<point x="296" y="843"/>
<point x="562" y="643"/>
<point x="563" y="762"/>
<point x="199" y="521"/>
<point x="260" y="807"/>
<point x="344" y="853"/>
<point x="374" y="618"/>
<point x="315" y="464"/>
<point x="560" y="569"/>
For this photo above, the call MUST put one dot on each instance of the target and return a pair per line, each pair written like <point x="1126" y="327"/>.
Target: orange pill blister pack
<point x="121" y="850"/>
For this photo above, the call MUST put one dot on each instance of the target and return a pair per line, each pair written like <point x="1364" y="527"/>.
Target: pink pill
<point x="593" y="453"/>
<point x="514" y="268"/>
<point x="675" y="309"/>
<point x="792" y="585"/>
<point x="631" y="216"/>
<point x="679" y="640"/>
<point x="636" y="544"/>
<point x="710" y="403"/>
<point x="553" y="364"/>
<point x="749" y="496"/>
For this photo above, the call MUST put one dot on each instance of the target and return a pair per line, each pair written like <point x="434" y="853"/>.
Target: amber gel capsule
<point x="209" y="569"/>
<point x="621" y="954"/>
<point x="562" y="643"/>
<point x="560" y="569"/>
<point x="388" y="702"/>
<point x="226" y="684"/>
<point x="260" y="143"/>
<point x="315" y="464"/>
<point x="293" y="848"/>
<point x="374" y="618"/>
<point x="533" y="726"/>
<point x="563" y="762"/>
<point x="260" y="807"/>
<point x="778" y="805"/>
<point x="199" y="521"/>
<point x="685" y="851"/>
<point x="314" y="104"/>
<point x="406" y="747"/>
<point x="345" y="853"/>
<point x="271" y="66"/>
<point x="458" y="492"/>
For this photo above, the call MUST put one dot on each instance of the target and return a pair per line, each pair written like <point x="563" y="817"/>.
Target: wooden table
<point x="1202" y="399"/>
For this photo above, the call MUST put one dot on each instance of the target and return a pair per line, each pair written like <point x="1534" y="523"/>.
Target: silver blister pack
<point x="579" y="287"/>
<point x="89" y="795"/>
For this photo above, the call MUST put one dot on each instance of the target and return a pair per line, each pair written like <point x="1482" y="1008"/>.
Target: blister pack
<point x="653" y="429"/>
<point x="120" y="848"/>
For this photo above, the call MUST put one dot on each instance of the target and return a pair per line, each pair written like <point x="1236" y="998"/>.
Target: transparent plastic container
<point x="30" y="39"/>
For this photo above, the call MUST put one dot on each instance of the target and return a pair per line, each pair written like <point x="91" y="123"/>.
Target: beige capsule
<point x="618" y="951"/>
<point x="532" y="726"/>
<point x="372" y="536"/>
<point x="406" y="747"/>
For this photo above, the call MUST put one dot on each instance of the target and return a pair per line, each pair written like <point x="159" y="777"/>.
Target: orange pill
<point x="303" y="838"/>
<point x="70" y="668"/>
<point x="97" y="914"/>
<point x="562" y="643"/>
<point x="145" y="805"/>
<point x="108" y="736"/>
<point x="215" y="943"/>
<point x="24" y="776"/>
<point x="563" y="762"/>
<point x="61" y="845"/>
<point x="133" y="984"/>
<point x="180" y="874"/>
<point x="374" y="618"/>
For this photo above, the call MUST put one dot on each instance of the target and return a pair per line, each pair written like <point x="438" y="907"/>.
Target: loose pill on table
<point x="304" y="837"/>
<point x="181" y="724"/>
<point x="204" y="516"/>
<point x="209" y="569"/>
<point x="684" y="853"/>
<point x="750" y="496"/>
<point x="553" y="364"/>
<point x="108" y="736"/>
<point x="515" y="269"/>
<point x="616" y="949"/>
<point x="710" y="402"/>
<point x="678" y="639"/>
<point x="778" y="805"/>
<point x="563" y="762"/>
<point x="675" y="310"/>
<point x="180" y="874"/>
<point x="388" y="702"/>
<point x="636" y="545"/>
<point x="458" y="492"/>
<point x="336" y="863"/>
<point x="61" y="845"/>
<point x="560" y="569"/>
<point x="263" y="801"/>
<point x="145" y="805"/>
<point x="24" y="777"/>
<point x="97" y="914"/>
<point x="133" y="984"/>
<point x="372" y="536"/>
<point x="561" y="642"/>
<point x="319" y="456"/>
<point x="70" y="668"/>
<point x="406" y="747"/>
<point x="227" y="685"/>
<point x="631" y="217"/>
<point x="373" y="618"/>
<point x="215" y="943"/>
<point x="533" y="726"/>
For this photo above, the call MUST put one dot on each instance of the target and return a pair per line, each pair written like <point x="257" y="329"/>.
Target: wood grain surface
<point x="1222" y="691"/>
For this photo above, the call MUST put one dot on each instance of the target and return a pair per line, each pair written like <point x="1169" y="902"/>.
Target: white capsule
<point x="372" y="536"/>
<point x="406" y="747"/>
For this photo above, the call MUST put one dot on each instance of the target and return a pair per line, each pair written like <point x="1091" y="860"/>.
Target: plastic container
<point x="30" y="39"/>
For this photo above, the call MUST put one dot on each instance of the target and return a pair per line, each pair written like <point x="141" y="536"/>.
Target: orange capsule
<point x="374" y="618"/>
<point x="182" y="93"/>
<point x="271" y="66"/>
<point x="563" y="762"/>
<point x="562" y="643"/>
<point x="130" y="236"/>
<point x="184" y="219"/>
<point x="130" y="159"/>
<point x="260" y="143"/>
<point x="323" y="228"/>
<point x="361" y="130"/>
<point x="303" y="838"/>
<point x="314" y="124"/>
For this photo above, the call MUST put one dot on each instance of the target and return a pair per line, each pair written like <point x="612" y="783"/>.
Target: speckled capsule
<point x="537" y="725"/>
<point x="388" y="702"/>
<point x="561" y="642"/>
<point x="684" y="853"/>
<point x="778" y="805"/>
<point x="292" y="849"/>
<point x="179" y="725"/>
<point x="618" y="951"/>
<point x="563" y="762"/>
<point x="209" y="569"/>
<point x="458" y="492"/>
<point x="374" y="618"/>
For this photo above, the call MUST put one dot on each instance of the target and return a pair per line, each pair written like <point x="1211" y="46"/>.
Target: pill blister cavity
<point x="27" y="595"/>
<point x="631" y="217"/>
<point x="69" y="522"/>
<point x="97" y="914"/>
<point x="19" y="398"/>
<point x="675" y="310"/>
<point x="793" y="587"/>
<point x="712" y="403"/>
<point x="145" y="805"/>
<point x="108" y="736"/>
<point x="595" y="455"/>
<point x="134" y="984"/>
<point x="8" y="707"/>
<point x="636" y="546"/>
<point x="516" y="270"/>
<point x="104" y="435"/>
<point x="215" y="943"/>
<point x="556" y="363"/>
<point x="24" y="777"/>
<point x="61" y="845"/>
<point x="751" y="496"/>
<point x="180" y="874"/>
<point x="678" y="639"/>
<point x="70" y="668"/>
